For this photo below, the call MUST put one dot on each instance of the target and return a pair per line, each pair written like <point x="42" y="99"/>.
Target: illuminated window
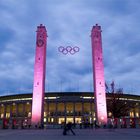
<point x="137" y="114"/>
<point x="29" y="114"/>
<point x="78" y="120"/>
<point x="69" y="107"/>
<point x="45" y="119"/>
<point x="7" y="115"/>
<point x="78" y="107"/>
<point x="60" y="107"/>
<point x="52" y="107"/>
<point x="49" y="120"/>
<point x="27" y="107"/>
<point x="45" y="114"/>
<point x="20" y="109"/>
<point x="87" y="107"/>
<point x="2" y="115"/>
<point x="61" y="120"/>
<point x="52" y="119"/>
<point x="94" y="119"/>
<point x="69" y="120"/>
<point x="109" y="114"/>
<point x="131" y="114"/>
<point x="13" y="108"/>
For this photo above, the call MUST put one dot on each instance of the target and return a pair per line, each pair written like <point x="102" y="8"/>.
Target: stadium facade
<point x="39" y="108"/>
<point x="75" y="107"/>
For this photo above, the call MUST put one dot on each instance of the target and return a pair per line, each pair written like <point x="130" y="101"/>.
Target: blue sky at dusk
<point x="69" y="22"/>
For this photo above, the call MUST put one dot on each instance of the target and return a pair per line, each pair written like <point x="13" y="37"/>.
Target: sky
<point x="69" y="23"/>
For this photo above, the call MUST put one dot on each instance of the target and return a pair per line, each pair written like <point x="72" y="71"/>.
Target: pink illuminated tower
<point x="39" y="76"/>
<point x="98" y="75"/>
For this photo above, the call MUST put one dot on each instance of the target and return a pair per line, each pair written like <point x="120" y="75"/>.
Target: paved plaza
<point x="81" y="134"/>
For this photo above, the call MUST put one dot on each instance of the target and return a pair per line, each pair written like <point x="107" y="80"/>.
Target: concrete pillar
<point x="47" y="112"/>
<point x="24" y="110"/>
<point x="4" y="110"/>
<point x="91" y="115"/>
<point x="16" y="110"/>
<point x="83" y="112"/>
<point x="65" y="106"/>
<point x="56" y="115"/>
<point x="10" y="112"/>
<point x="74" y="112"/>
<point x="0" y="111"/>
<point x="98" y="75"/>
<point x="39" y="76"/>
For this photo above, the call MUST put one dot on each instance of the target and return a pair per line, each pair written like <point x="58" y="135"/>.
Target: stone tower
<point x="98" y="75"/>
<point x="39" y="76"/>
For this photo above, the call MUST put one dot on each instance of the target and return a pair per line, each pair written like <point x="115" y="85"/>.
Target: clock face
<point x="40" y="42"/>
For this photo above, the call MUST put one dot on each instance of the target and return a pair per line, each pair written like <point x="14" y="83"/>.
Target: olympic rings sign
<point x="68" y="49"/>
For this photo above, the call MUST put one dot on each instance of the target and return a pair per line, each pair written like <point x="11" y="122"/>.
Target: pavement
<point x="81" y="134"/>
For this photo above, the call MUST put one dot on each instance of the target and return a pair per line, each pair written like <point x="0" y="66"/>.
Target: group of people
<point x="69" y="125"/>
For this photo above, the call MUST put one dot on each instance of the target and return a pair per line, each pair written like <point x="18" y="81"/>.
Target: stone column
<point x="83" y="112"/>
<point x="4" y="110"/>
<point x="16" y="110"/>
<point x="0" y="111"/>
<point x="39" y="76"/>
<point x="65" y="106"/>
<point x="56" y="115"/>
<point x="98" y="75"/>
<point x="47" y="112"/>
<point x="91" y="115"/>
<point x="74" y="112"/>
<point x="24" y="110"/>
<point x="10" y="112"/>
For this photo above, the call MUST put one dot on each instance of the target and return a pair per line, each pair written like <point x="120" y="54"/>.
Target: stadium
<point x="80" y="108"/>
<point x="61" y="107"/>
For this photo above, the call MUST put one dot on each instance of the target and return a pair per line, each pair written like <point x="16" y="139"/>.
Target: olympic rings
<point x="68" y="49"/>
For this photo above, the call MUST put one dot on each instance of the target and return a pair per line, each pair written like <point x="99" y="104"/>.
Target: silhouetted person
<point x="65" y="129"/>
<point x="96" y="125"/>
<point x="69" y="127"/>
<point x="80" y="125"/>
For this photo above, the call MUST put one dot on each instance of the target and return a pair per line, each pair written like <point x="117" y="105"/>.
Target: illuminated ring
<point x="64" y="51"/>
<point x="76" y="49"/>
<point x="61" y="49"/>
<point x="69" y="48"/>
<point x="72" y="51"/>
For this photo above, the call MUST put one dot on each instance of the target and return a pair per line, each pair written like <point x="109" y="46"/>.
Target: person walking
<point x="96" y="125"/>
<point x="65" y="129"/>
<point x="69" y="128"/>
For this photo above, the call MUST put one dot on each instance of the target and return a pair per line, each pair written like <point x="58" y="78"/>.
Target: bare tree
<point x="117" y="106"/>
<point x="115" y="103"/>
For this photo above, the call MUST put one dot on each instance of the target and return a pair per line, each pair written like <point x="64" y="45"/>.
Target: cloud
<point x="69" y="23"/>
